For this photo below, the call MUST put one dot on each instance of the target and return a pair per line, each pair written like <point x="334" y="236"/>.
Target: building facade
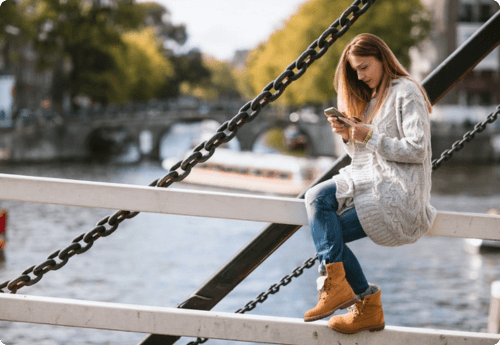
<point x="454" y="21"/>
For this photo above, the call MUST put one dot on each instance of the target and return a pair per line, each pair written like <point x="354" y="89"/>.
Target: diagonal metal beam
<point x="242" y="264"/>
<point x="463" y="59"/>
<point x="437" y="84"/>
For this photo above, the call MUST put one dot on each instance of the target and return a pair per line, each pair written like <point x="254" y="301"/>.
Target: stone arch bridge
<point x="86" y="137"/>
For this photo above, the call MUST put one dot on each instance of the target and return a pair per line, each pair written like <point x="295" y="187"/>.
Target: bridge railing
<point x="193" y="323"/>
<point x="17" y="311"/>
<point x="216" y="325"/>
<point x="207" y="204"/>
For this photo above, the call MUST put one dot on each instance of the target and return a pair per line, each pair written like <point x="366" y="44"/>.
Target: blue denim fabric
<point x="330" y="232"/>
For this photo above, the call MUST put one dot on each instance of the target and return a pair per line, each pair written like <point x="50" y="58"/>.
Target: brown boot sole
<point x="371" y="329"/>
<point x="341" y="306"/>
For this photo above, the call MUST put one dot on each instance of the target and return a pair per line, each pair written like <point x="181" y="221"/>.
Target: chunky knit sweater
<point x="389" y="178"/>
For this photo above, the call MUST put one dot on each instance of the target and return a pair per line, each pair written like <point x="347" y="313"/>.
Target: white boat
<point x="256" y="172"/>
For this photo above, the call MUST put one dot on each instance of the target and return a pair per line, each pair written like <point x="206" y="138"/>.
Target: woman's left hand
<point x="358" y="131"/>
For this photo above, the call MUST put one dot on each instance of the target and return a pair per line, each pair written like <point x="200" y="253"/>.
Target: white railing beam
<point x="216" y="325"/>
<point x="207" y="204"/>
<point x="154" y="200"/>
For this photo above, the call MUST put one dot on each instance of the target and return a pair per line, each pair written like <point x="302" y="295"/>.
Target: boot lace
<point x="356" y="310"/>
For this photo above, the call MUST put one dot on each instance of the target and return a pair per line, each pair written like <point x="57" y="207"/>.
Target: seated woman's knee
<point x="324" y="188"/>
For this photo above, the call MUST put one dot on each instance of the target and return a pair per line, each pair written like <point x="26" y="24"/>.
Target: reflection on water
<point x="182" y="137"/>
<point x="158" y="260"/>
<point x="470" y="179"/>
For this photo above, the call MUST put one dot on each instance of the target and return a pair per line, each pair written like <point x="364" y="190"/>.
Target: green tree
<point x="401" y="24"/>
<point x="185" y="68"/>
<point x="7" y="11"/>
<point x="10" y="20"/>
<point x="142" y="69"/>
<point x="118" y="52"/>
<point x="188" y="68"/>
<point x="84" y="34"/>
<point x="12" y="27"/>
<point x="221" y="83"/>
<point x="157" y="16"/>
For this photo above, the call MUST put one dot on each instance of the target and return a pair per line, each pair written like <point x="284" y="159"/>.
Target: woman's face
<point x="368" y="68"/>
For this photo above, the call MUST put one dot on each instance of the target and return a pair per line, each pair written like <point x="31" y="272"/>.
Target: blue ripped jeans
<point x="331" y="232"/>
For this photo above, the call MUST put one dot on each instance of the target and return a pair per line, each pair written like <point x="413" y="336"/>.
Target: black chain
<point x="103" y="228"/>
<point x="273" y="289"/>
<point x="251" y="110"/>
<point x="224" y="134"/>
<point x="459" y="144"/>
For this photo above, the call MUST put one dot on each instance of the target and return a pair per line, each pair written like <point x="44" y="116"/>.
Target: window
<point x="470" y="99"/>
<point x="484" y="12"/>
<point x="485" y="98"/>
<point x="465" y="13"/>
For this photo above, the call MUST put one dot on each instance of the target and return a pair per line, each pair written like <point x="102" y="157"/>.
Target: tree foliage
<point x="141" y="68"/>
<point x="84" y="35"/>
<point x="10" y="20"/>
<point x="220" y="83"/>
<point x="158" y="17"/>
<point x="401" y="24"/>
<point x="118" y="52"/>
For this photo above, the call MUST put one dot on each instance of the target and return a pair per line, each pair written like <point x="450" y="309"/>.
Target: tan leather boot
<point x="365" y="315"/>
<point x="335" y="293"/>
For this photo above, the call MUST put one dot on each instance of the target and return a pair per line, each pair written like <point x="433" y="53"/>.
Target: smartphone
<point x="335" y="113"/>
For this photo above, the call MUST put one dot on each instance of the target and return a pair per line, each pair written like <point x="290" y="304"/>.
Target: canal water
<point x="158" y="260"/>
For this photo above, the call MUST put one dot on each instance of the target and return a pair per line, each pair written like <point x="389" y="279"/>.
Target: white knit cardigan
<point x="389" y="178"/>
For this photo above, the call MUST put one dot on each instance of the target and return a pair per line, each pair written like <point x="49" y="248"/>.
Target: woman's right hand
<point x="339" y="128"/>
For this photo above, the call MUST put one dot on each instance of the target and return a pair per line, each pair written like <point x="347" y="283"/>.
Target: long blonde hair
<point x="352" y="94"/>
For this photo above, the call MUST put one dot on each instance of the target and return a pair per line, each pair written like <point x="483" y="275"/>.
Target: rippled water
<point x="158" y="260"/>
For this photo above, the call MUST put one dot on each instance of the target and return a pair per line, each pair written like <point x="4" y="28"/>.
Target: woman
<point x="384" y="193"/>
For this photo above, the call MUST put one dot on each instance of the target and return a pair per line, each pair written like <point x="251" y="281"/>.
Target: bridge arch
<point x="174" y="140"/>
<point x="105" y="143"/>
<point x="295" y="137"/>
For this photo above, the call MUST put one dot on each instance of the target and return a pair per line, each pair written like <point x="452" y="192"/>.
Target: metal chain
<point x="273" y="289"/>
<point x="251" y="110"/>
<point x="459" y="144"/>
<point x="103" y="228"/>
<point x="224" y="134"/>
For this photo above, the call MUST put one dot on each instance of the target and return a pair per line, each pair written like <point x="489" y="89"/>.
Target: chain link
<point x="182" y="169"/>
<point x="226" y="132"/>
<point x="273" y="289"/>
<point x="459" y="144"/>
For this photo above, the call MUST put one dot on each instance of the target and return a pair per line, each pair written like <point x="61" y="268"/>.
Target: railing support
<point x="242" y="264"/>
<point x="494" y="314"/>
<point x="438" y="83"/>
